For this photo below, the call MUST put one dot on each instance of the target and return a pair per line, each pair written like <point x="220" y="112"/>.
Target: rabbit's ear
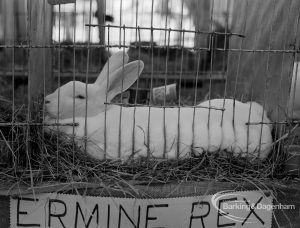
<point x="123" y="78"/>
<point x="116" y="61"/>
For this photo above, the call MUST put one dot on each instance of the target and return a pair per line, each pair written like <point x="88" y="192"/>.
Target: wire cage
<point x="191" y="90"/>
<point x="240" y="53"/>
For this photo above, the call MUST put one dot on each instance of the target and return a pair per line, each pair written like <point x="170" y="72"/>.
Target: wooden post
<point x="40" y="59"/>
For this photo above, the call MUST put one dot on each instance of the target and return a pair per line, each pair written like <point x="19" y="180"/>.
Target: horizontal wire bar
<point x="25" y="46"/>
<point x="37" y="124"/>
<point x="157" y="76"/>
<point x="165" y="29"/>
<point x="145" y="75"/>
<point x="164" y="106"/>
<point x="79" y="71"/>
<point x="279" y="122"/>
<point x="141" y="105"/>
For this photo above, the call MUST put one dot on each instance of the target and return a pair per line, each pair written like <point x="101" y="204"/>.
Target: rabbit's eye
<point x="80" y="97"/>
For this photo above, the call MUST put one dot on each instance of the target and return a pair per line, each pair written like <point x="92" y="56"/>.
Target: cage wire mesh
<point x="189" y="60"/>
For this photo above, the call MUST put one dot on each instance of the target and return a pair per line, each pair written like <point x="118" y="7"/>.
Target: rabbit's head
<point x="79" y="99"/>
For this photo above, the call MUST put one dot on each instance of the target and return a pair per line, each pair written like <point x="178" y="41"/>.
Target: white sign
<point x="224" y="209"/>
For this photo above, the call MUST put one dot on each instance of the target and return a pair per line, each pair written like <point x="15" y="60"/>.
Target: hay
<point x="30" y="156"/>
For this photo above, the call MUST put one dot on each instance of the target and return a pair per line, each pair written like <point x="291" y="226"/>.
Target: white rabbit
<point x="120" y="132"/>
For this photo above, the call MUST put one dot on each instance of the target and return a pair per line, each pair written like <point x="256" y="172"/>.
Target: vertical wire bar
<point x="28" y="147"/>
<point x="226" y="63"/>
<point x="102" y="29"/>
<point x="197" y="33"/>
<point x="181" y="26"/>
<point x="44" y="79"/>
<point x="106" y="95"/>
<point x="180" y="79"/>
<point x="151" y="84"/>
<point x="136" y="19"/>
<point x="74" y="77"/>
<point x="63" y="36"/>
<point x="135" y="102"/>
<point x="4" y="38"/>
<point x="211" y="48"/>
<point x="166" y="23"/>
<point x="179" y="96"/>
<point x="13" y="96"/>
<point x="167" y="42"/>
<point x="120" y="32"/>
<point x="174" y="48"/>
<point x="5" y="35"/>
<point x="58" y="85"/>
<point x="151" y="18"/>
<point x="256" y="35"/>
<point x="152" y="54"/>
<point x="28" y="81"/>
<point x="225" y="67"/>
<point x="165" y="94"/>
<point x="121" y="99"/>
<point x="195" y="97"/>
<point x="267" y="80"/>
<point x="161" y="39"/>
<point x="238" y="73"/>
<point x="280" y="94"/>
<point x="83" y="37"/>
<point x="86" y="77"/>
<point x="137" y="34"/>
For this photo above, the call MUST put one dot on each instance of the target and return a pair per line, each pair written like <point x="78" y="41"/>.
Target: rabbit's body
<point x="172" y="134"/>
